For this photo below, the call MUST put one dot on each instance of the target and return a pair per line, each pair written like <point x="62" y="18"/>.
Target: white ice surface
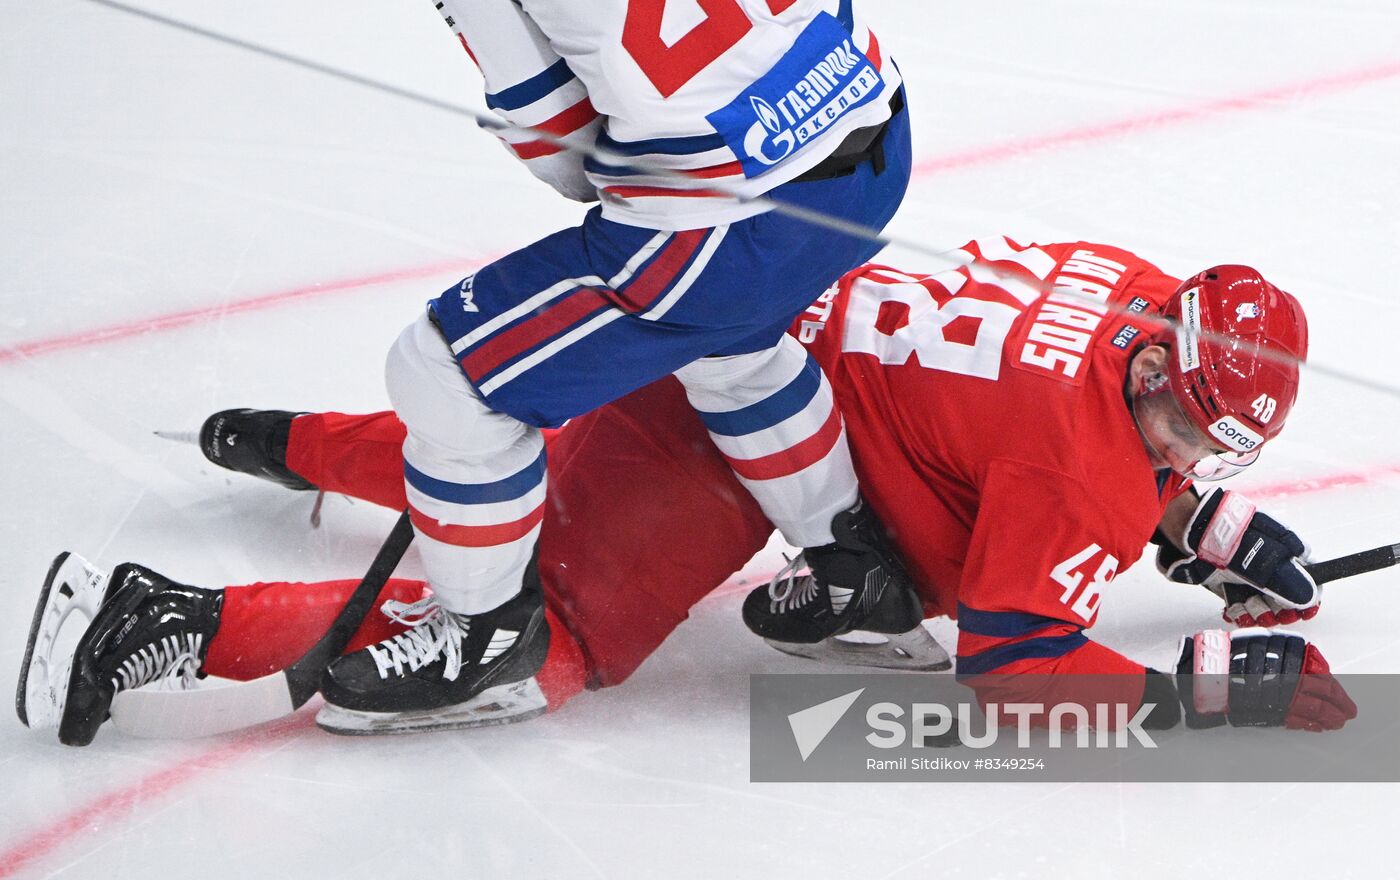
<point x="145" y="173"/>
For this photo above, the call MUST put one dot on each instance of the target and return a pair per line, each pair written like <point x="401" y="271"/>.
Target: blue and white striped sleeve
<point x="528" y="84"/>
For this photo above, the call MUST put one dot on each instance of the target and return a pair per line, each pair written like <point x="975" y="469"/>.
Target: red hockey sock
<point x="265" y="627"/>
<point x="360" y="456"/>
<point x="565" y="669"/>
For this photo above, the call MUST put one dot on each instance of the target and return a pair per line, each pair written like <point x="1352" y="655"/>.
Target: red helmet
<point x="1232" y="394"/>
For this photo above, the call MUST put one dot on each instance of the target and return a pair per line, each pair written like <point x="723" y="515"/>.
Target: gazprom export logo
<point x="769" y="141"/>
<point x="810" y="107"/>
<point x="766" y="114"/>
<point x="821" y="79"/>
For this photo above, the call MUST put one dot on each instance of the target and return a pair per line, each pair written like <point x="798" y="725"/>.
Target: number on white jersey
<point x="671" y="65"/>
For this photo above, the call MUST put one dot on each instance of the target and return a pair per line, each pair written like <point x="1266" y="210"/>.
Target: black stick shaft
<point x="1356" y="563"/>
<point x="304" y="676"/>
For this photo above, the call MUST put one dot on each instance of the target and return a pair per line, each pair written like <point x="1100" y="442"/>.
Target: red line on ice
<point x="172" y="320"/>
<point x="1344" y="480"/>
<point x="114" y="804"/>
<point x="1191" y="113"/>
<point x="114" y="807"/>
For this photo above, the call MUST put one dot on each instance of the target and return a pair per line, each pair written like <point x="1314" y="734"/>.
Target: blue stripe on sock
<point x="785" y="403"/>
<point x="512" y="487"/>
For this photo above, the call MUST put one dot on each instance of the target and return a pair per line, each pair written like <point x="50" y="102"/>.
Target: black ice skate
<point x="854" y="585"/>
<point x="148" y="628"/>
<point x="447" y="671"/>
<point x="252" y="441"/>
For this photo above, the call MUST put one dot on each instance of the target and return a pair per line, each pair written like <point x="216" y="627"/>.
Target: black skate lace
<point x="432" y="632"/>
<point x="787" y="591"/>
<point x="174" y="659"/>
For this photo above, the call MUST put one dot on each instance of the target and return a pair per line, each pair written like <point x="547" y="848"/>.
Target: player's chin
<point x="1164" y="460"/>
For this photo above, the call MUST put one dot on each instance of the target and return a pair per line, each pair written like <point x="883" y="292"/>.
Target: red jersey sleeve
<point x="1038" y="563"/>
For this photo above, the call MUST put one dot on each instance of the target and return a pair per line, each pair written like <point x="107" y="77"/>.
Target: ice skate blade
<point x="190" y="437"/>
<point x="914" y="650"/>
<point x="72" y="585"/>
<point x="503" y="704"/>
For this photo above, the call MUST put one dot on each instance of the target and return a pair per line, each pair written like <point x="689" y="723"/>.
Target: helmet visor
<point x="1175" y="442"/>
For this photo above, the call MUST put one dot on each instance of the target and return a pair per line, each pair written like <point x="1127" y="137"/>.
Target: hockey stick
<point x="1355" y="563"/>
<point x="207" y="711"/>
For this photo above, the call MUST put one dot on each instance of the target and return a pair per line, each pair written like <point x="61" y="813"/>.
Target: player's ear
<point x="1149" y="360"/>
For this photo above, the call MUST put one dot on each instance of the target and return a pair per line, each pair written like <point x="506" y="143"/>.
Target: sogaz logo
<point x="1232" y="433"/>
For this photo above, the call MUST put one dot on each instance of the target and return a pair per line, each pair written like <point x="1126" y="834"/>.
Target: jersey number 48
<point x="1081" y="597"/>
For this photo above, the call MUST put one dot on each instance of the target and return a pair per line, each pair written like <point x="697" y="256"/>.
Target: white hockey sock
<point x="773" y="416"/>
<point x="475" y="477"/>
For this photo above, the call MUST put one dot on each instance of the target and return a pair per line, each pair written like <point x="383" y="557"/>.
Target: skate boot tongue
<point x="433" y="632"/>
<point x="174" y="662"/>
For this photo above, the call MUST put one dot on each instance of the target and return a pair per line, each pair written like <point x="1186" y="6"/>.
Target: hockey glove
<point x="1259" y="678"/>
<point x="1249" y="559"/>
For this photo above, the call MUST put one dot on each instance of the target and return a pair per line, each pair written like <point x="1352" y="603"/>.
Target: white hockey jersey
<point x="748" y="92"/>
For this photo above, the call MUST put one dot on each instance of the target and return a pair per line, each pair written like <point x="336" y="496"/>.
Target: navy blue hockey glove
<point x="1249" y="559"/>
<point x="1259" y="677"/>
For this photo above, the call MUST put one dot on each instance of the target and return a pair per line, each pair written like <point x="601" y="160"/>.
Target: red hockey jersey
<point x="991" y="433"/>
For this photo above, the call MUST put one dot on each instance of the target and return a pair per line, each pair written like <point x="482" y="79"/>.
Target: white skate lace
<point x="787" y="590"/>
<point x="174" y="660"/>
<point x="432" y="632"/>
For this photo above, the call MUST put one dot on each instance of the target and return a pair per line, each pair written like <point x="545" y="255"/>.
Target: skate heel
<point x="898" y="610"/>
<point x="253" y="442"/>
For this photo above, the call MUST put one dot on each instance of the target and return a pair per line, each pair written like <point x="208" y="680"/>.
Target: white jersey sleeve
<point x="528" y="85"/>
<point x="749" y="93"/>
